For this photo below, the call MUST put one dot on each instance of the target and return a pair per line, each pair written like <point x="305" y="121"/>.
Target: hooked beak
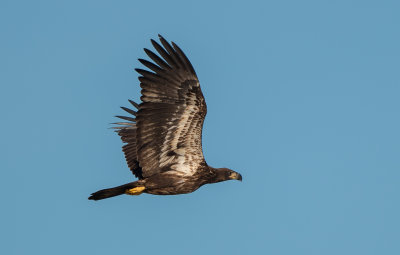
<point x="235" y="176"/>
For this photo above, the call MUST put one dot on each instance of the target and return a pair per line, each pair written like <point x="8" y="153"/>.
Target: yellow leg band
<point x="135" y="191"/>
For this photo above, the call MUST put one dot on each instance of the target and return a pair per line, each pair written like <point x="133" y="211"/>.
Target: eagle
<point x="162" y="135"/>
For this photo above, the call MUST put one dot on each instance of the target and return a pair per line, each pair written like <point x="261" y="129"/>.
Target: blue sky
<point x="303" y="101"/>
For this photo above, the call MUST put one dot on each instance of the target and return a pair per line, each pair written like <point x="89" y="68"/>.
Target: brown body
<point x="172" y="183"/>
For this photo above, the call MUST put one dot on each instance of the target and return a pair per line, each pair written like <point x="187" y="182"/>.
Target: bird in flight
<point x="162" y="135"/>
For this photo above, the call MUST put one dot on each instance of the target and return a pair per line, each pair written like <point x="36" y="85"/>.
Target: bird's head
<point x="226" y="174"/>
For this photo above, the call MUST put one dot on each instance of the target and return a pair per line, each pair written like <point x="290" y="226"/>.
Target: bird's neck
<point x="217" y="175"/>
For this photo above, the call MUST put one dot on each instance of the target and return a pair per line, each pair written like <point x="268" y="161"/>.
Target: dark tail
<point x="112" y="192"/>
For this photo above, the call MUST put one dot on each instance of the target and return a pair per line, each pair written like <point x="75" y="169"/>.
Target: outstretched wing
<point x="170" y="118"/>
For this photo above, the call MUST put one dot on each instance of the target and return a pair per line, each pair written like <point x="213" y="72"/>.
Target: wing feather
<point x="127" y="131"/>
<point x="163" y="53"/>
<point x="157" y="59"/>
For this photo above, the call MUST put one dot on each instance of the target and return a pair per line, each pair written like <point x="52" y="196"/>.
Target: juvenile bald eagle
<point x="163" y="136"/>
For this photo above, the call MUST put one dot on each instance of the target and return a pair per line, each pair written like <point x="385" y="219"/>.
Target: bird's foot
<point x="135" y="191"/>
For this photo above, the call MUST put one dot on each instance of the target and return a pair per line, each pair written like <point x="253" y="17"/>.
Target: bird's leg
<point x="135" y="191"/>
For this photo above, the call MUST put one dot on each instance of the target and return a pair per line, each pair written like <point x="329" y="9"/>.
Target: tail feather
<point x="111" y="192"/>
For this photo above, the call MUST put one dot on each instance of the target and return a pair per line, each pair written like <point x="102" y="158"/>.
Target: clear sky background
<point x="303" y="101"/>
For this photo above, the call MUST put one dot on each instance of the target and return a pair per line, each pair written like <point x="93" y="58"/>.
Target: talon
<point x="135" y="191"/>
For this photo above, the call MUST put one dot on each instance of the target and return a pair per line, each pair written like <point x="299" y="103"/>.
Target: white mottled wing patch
<point x="171" y="116"/>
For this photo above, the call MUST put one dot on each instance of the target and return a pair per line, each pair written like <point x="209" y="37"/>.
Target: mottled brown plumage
<point x="162" y="135"/>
